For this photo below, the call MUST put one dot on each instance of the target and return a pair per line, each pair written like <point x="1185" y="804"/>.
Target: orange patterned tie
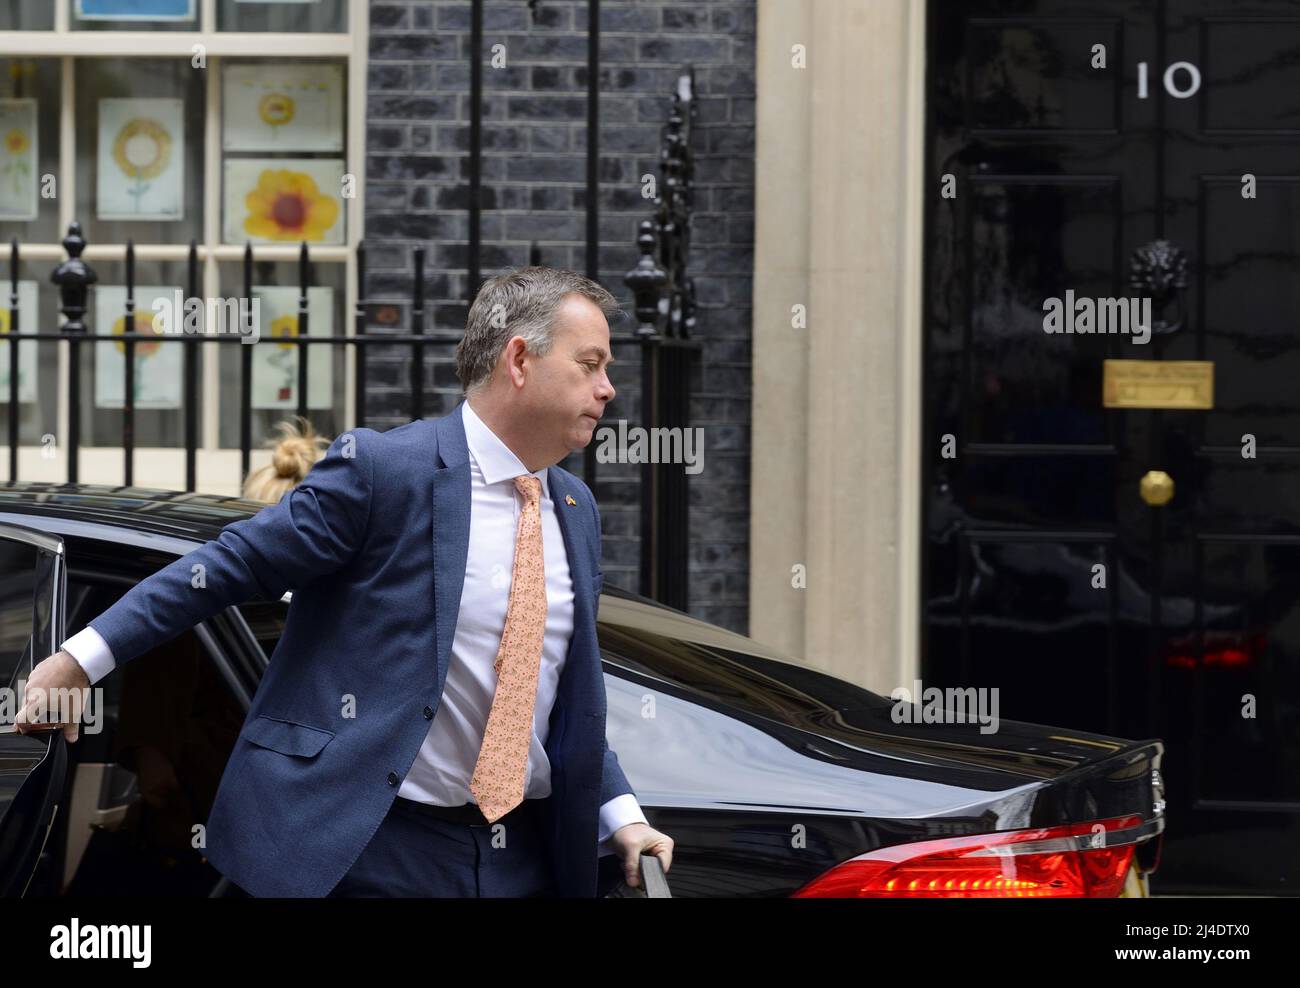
<point x="498" y="781"/>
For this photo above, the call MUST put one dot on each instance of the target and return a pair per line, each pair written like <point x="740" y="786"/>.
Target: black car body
<point x="773" y="778"/>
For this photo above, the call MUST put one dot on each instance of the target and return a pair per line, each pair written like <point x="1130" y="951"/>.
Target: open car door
<point x="33" y="767"/>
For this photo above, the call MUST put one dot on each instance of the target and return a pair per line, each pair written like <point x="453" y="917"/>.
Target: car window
<point x="18" y="575"/>
<point x="762" y="685"/>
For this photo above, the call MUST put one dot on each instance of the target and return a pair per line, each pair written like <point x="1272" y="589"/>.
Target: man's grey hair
<point x="521" y="302"/>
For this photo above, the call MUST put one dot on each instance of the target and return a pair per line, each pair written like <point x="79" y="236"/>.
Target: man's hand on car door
<point x="47" y="694"/>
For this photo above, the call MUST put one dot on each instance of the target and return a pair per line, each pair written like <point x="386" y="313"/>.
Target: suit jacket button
<point x="392" y="778"/>
<point x="428" y="713"/>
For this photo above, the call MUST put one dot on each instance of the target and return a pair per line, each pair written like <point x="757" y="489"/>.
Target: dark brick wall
<point x="534" y="168"/>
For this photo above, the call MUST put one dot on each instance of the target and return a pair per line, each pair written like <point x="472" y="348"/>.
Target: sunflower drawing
<point x="285" y="326"/>
<point x="17" y="144"/>
<point x="288" y="205"/>
<point x="5" y="326"/>
<point x="142" y="150"/>
<point x="285" y="360"/>
<point x="143" y="324"/>
<point x="276" y="110"/>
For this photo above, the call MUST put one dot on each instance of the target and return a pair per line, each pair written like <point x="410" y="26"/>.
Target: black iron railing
<point x="665" y="311"/>
<point x="665" y="317"/>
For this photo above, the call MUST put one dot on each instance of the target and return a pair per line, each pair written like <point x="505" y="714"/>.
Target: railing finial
<point x="74" y="277"/>
<point x="664" y="292"/>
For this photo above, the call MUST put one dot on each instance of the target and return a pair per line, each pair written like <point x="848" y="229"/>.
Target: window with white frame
<point x="162" y="122"/>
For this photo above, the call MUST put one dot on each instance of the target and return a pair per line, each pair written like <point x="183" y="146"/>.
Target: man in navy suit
<point x="432" y="721"/>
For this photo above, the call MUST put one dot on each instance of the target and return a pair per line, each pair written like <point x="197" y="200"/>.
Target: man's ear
<point x="516" y="351"/>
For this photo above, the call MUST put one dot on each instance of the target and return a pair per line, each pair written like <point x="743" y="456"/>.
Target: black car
<point x="774" y="779"/>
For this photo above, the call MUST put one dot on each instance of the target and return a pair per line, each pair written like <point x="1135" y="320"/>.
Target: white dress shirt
<point x="444" y="765"/>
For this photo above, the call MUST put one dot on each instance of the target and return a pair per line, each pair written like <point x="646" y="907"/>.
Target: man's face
<point x="568" y="389"/>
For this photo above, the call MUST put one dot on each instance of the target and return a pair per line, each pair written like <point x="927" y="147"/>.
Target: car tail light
<point x="1083" y="860"/>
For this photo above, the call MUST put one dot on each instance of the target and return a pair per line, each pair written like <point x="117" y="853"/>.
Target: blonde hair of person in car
<point x="297" y="449"/>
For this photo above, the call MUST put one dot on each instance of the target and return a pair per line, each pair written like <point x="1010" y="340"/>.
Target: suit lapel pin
<point x="568" y="499"/>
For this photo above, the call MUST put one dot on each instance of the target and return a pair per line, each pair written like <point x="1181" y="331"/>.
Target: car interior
<point x="144" y="772"/>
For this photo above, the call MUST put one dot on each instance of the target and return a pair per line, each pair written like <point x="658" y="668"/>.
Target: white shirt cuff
<point x="618" y="812"/>
<point x="92" y="653"/>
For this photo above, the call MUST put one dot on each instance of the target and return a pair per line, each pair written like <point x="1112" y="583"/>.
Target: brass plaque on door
<point x="1157" y="384"/>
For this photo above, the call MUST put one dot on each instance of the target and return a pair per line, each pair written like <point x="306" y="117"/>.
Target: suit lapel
<point x="577" y="537"/>
<point x="451" y="504"/>
<point x="581" y="681"/>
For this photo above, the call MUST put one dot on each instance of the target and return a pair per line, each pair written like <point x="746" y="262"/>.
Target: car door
<point x="33" y="767"/>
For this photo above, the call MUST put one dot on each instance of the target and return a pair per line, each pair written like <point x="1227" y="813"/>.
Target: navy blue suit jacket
<point x="373" y="544"/>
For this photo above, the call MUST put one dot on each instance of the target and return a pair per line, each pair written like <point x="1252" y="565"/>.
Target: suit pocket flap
<point x="598" y="582"/>
<point x="286" y="737"/>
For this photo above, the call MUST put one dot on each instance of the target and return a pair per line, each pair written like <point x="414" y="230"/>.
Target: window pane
<point x="29" y="148"/>
<point x="140" y="150"/>
<point x="283" y="15"/>
<point x="159" y="367"/>
<point x="283" y="127"/>
<point x="18" y="588"/>
<point x="134" y="15"/>
<point x="274" y="379"/>
<point x="38" y="379"/>
<point x="27" y="15"/>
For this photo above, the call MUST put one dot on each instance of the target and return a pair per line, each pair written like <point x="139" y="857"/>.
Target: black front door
<point x="1114" y="565"/>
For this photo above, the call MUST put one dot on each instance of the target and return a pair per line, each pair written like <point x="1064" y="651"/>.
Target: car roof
<point x="179" y="521"/>
<point x="144" y="510"/>
<point x="152" y="517"/>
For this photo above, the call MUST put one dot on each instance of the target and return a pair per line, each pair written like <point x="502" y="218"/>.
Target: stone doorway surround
<point x="836" y="442"/>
